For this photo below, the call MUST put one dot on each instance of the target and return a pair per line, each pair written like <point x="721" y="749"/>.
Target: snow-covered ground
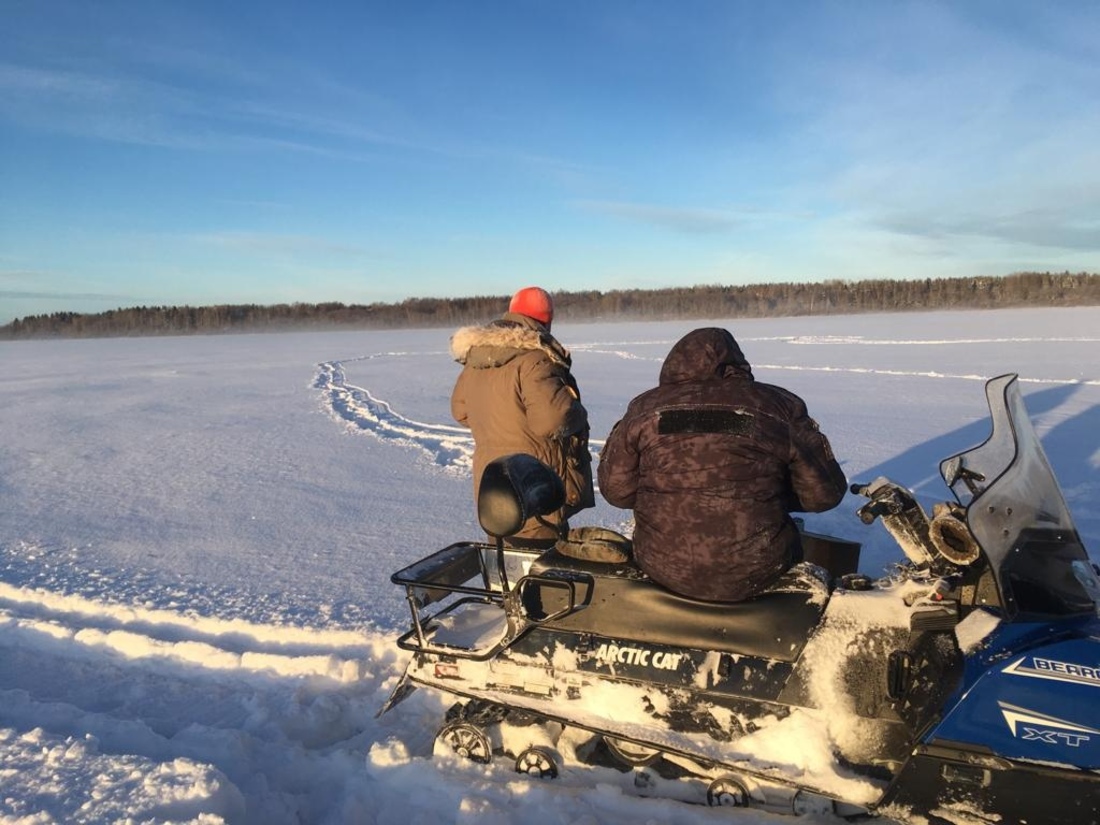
<point x="197" y="534"/>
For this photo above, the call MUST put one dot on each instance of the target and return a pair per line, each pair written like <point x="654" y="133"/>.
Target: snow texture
<point x="196" y="618"/>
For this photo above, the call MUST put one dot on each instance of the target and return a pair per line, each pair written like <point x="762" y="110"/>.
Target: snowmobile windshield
<point x="1019" y="517"/>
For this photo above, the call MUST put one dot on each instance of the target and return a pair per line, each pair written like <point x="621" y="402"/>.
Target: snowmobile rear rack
<point x="477" y="574"/>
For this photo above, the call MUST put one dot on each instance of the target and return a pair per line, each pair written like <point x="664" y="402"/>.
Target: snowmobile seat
<point x="627" y="605"/>
<point x="595" y="544"/>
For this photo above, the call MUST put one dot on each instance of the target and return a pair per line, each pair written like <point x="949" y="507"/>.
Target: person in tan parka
<point x="516" y="394"/>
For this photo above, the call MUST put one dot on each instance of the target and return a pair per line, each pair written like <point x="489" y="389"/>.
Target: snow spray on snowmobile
<point x="963" y="687"/>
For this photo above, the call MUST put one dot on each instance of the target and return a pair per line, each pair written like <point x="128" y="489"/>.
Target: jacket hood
<point x="704" y="355"/>
<point x="500" y="341"/>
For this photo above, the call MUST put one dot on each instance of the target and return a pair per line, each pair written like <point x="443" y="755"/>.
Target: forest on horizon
<point x="834" y="297"/>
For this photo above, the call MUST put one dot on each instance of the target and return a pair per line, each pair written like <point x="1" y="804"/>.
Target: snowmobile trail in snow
<point x="448" y="446"/>
<point x="451" y="447"/>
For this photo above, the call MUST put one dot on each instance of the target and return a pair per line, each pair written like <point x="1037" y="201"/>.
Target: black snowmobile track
<point x="708" y="769"/>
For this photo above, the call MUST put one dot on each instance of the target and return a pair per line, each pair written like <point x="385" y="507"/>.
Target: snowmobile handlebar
<point x="886" y="499"/>
<point x="943" y="539"/>
<point x="869" y="512"/>
<point x="872" y="489"/>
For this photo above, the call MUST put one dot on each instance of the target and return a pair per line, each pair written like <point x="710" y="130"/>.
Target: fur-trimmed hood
<point x="498" y="342"/>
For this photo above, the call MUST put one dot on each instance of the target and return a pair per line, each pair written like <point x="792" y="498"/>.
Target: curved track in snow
<point x="451" y="447"/>
<point x="447" y="446"/>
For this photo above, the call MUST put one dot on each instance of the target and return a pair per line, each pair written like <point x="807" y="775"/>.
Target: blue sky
<point x="202" y="151"/>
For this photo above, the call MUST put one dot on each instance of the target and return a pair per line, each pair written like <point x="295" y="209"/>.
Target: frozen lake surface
<point x="196" y="618"/>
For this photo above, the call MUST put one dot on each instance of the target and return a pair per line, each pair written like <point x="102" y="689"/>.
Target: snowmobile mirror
<point x="950" y="470"/>
<point x="953" y="471"/>
<point x="515" y="488"/>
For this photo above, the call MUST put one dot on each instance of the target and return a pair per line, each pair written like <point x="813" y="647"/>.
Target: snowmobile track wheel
<point x="631" y="754"/>
<point x="466" y="740"/>
<point x="727" y="792"/>
<point x="537" y="762"/>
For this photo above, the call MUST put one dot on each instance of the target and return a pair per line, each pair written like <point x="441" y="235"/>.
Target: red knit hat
<point x="534" y="302"/>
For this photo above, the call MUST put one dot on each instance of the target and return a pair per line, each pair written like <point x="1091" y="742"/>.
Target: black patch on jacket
<point x="729" y="422"/>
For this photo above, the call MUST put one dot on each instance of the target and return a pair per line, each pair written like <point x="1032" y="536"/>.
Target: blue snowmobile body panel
<point x="1040" y="704"/>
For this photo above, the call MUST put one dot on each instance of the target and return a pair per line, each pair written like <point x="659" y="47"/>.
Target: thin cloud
<point x="15" y="278"/>
<point x="148" y="112"/>
<point x="108" y="108"/>
<point x="966" y="135"/>
<point x="1038" y="227"/>
<point x="280" y="206"/>
<point x="19" y="275"/>
<point x="677" y="219"/>
<point x="23" y="295"/>
<point x="271" y="244"/>
<point x="71" y="85"/>
<point x="248" y="111"/>
<point x="299" y="121"/>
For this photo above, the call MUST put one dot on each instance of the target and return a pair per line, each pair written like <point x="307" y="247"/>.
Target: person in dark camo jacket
<point x="713" y="462"/>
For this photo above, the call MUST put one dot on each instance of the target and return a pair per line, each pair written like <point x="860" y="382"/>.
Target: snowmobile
<point x="961" y="687"/>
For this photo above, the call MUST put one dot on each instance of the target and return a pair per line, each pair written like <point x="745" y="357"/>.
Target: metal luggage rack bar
<point x="452" y="570"/>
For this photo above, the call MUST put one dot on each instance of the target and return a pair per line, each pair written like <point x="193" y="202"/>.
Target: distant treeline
<point x="835" y="297"/>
